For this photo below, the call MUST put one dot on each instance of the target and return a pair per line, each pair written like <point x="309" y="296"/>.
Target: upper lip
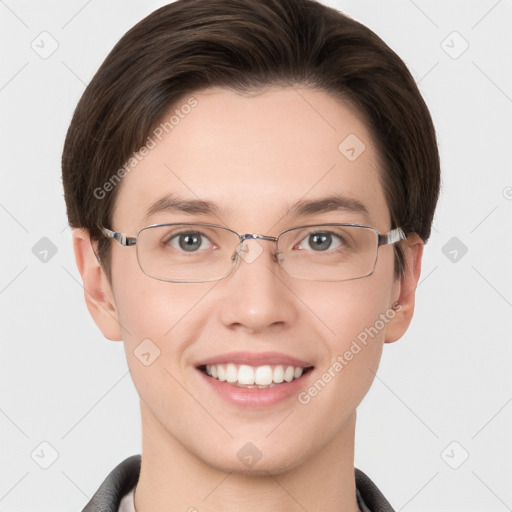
<point x="254" y="359"/>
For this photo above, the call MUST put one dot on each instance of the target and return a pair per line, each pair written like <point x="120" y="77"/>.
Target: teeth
<point x="245" y="375"/>
<point x="263" y="375"/>
<point x="231" y="373"/>
<point x="288" y="374"/>
<point x="278" y="375"/>
<point x="249" y="376"/>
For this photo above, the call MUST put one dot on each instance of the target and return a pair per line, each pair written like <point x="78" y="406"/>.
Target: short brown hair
<point x="248" y="45"/>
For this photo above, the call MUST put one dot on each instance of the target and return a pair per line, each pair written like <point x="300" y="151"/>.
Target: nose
<point x="257" y="295"/>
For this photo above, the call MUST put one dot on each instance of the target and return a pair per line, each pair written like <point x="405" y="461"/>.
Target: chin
<point x="260" y="468"/>
<point x="249" y="460"/>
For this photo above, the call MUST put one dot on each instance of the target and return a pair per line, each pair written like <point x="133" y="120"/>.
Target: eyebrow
<point x="171" y="203"/>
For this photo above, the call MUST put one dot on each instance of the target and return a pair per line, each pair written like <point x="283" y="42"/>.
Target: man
<point x="250" y="185"/>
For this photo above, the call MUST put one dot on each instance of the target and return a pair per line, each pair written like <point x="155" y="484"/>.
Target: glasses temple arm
<point x="119" y="237"/>
<point x="395" y="235"/>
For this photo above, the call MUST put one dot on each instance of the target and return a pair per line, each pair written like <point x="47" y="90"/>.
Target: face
<point x="254" y="157"/>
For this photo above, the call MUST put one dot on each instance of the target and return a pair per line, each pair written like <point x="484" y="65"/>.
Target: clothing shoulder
<point x="371" y="495"/>
<point x="118" y="482"/>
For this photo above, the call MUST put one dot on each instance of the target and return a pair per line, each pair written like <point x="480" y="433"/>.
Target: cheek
<point x="357" y="330"/>
<point x="158" y="321"/>
<point x="357" y="317"/>
<point x="146" y="306"/>
<point x="147" y="309"/>
<point x="361" y="309"/>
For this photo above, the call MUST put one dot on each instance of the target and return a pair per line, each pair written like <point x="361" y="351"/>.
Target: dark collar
<point x="126" y="474"/>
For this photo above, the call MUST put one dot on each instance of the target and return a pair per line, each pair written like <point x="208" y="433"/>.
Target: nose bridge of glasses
<point x="254" y="236"/>
<point x="250" y="255"/>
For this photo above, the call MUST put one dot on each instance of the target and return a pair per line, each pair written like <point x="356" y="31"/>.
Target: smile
<point x="260" y="377"/>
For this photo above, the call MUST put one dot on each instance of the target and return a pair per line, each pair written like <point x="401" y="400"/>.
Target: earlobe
<point x="97" y="290"/>
<point x="404" y="303"/>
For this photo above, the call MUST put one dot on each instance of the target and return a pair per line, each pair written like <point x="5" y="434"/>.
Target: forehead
<point x="253" y="158"/>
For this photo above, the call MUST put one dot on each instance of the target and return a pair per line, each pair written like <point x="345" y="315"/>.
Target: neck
<point x="173" y="478"/>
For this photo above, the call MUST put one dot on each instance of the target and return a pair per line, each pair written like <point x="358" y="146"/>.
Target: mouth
<point x="254" y="377"/>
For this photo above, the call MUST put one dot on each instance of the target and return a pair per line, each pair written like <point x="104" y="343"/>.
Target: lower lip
<point x="254" y="397"/>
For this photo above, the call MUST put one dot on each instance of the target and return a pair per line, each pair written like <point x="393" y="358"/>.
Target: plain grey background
<point x="434" y="430"/>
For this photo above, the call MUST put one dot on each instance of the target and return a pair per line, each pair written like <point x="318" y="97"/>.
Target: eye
<point x="188" y="241"/>
<point x="321" y="241"/>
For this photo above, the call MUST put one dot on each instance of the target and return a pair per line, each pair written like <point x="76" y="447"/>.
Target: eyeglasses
<point x="198" y="252"/>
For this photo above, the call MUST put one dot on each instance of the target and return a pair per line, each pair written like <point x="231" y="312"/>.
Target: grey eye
<point x="190" y="241"/>
<point x="321" y="241"/>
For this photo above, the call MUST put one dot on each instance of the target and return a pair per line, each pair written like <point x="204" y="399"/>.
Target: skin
<point x="251" y="154"/>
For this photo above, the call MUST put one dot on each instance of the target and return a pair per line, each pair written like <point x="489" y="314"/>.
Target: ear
<point x="97" y="290"/>
<point x="405" y="298"/>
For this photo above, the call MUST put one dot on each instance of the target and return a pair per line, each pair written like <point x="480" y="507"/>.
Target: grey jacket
<point x="126" y="474"/>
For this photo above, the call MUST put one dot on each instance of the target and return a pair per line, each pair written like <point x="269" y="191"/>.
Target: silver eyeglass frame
<point x="393" y="236"/>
